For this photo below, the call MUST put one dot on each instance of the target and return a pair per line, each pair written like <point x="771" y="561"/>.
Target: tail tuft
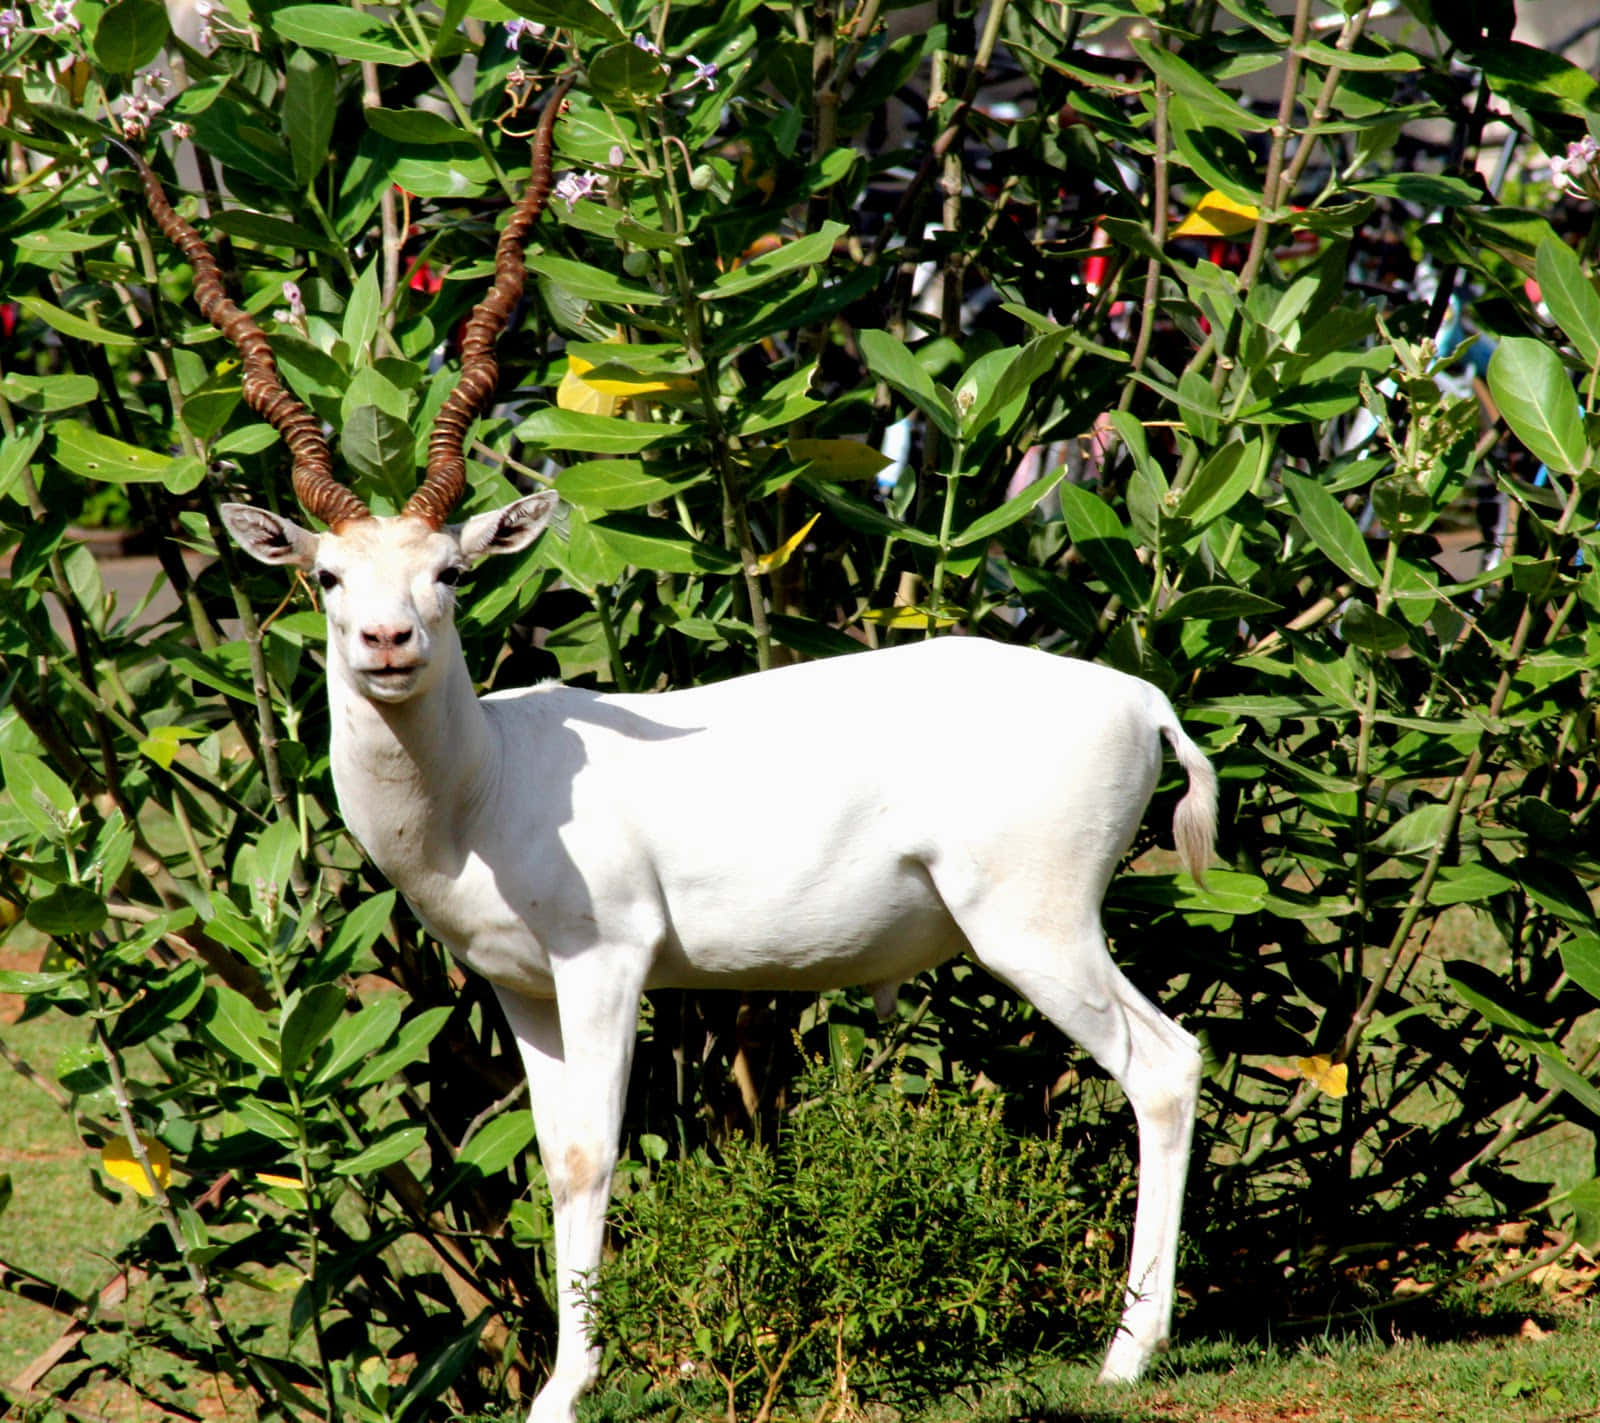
<point x="1194" y="823"/>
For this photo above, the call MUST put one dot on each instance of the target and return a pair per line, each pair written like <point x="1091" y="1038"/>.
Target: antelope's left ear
<point x="268" y="536"/>
<point x="507" y="530"/>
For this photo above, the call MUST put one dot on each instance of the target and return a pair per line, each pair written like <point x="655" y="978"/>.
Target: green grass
<point x="1491" y="1376"/>
<point x="56" y="1225"/>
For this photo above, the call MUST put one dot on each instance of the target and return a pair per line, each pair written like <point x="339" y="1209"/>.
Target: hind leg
<point x="1069" y="976"/>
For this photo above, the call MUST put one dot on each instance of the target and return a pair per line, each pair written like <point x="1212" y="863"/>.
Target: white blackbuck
<point x="578" y="849"/>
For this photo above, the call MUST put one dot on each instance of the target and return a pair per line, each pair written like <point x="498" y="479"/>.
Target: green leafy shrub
<point x="883" y="1247"/>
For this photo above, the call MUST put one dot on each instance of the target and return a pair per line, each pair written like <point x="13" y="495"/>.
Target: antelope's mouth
<point x="393" y="678"/>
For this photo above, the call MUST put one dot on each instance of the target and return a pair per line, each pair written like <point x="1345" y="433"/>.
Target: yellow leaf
<point x="1324" y="1073"/>
<point x="781" y="555"/>
<point x="907" y="618"/>
<point x="1217" y="215"/>
<point x="163" y="742"/>
<point x="123" y="1166"/>
<point x="574" y="393"/>
<point x="292" y="1183"/>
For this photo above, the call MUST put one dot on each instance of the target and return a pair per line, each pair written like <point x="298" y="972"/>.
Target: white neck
<point x="407" y="773"/>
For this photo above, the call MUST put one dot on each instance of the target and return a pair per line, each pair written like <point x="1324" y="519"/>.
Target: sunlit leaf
<point x="1323" y="1073"/>
<point x="124" y="1167"/>
<point x="1534" y="393"/>
<point x="779" y="556"/>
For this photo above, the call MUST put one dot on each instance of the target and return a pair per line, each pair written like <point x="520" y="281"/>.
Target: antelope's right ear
<point x="268" y="536"/>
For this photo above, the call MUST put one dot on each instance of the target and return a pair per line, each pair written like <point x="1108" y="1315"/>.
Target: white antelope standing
<point x="578" y="849"/>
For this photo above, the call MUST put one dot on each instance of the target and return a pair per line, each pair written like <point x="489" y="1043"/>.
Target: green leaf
<point x="1531" y="386"/>
<point x="75" y="326"/>
<point x="271" y="231"/>
<point x="889" y="360"/>
<point x="60" y="987"/>
<point x="617" y="484"/>
<point x="580" y="280"/>
<point x="1584" y="1201"/>
<point x="1416" y="832"/>
<point x="106" y="460"/>
<point x="1468" y="884"/>
<point x="568" y="15"/>
<point x="626" y="74"/>
<point x="1580" y="956"/>
<point x="16" y="454"/>
<point x="660" y="544"/>
<point x="310" y="1018"/>
<point x="780" y="405"/>
<point x="498" y="1143"/>
<point x="381" y="447"/>
<point x="1365" y="627"/>
<point x="393" y="1144"/>
<point x="1209" y="103"/>
<point x="350" y="34"/>
<point x="41" y="797"/>
<point x="234" y="133"/>
<point x="237" y="1027"/>
<point x="164" y="1003"/>
<point x="1330" y="527"/>
<point x="439" y="1369"/>
<point x="1100" y="537"/>
<point x="47" y="394"/>
<point x="1218" y="602"/>
<point x="1020" y="371"/>
<point x="1224" y="892"/>
<point x="1570" y="294"/>
<point x="984" y="528"/>
<point x="1221" y="482"/>
<point x="1217" y="155"/>
<point x="1479" y="990"/>
<point x="355" y="1037"/>
<point x="350" y="949"/>
<point x="67" y="909"/>
<point x="309" y="101"/>
<point x="412" y="125"/>
<point x="362" y="313"/>
<point x="864" y="516"/>
<point x="804" y="251"/>
<point x="595" y="434"/>
<point x="130" y="34"/>
<point x="1429" y="190"/>
<point x="410" y="1043"/>
<point x="449" y="174"/>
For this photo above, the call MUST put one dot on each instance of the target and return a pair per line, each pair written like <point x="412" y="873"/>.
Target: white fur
<point x="850" y="821"/>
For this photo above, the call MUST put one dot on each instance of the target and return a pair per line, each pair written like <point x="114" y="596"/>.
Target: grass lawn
<point x="56" y="1225"/>
<point x="1491" y="1377"/>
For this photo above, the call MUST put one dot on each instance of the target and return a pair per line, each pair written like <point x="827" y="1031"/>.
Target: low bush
<point x="883" y="1247"/>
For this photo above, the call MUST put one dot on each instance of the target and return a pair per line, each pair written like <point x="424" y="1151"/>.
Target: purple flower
<point x="703" y="73"/>
<point x="62" y="20"/>
<point x="291" y="294"/>
<point x="10" y="23"/>
<point x="572" y="186"/>
<point x="517" y="29"/>
<point x="640" y="42"/>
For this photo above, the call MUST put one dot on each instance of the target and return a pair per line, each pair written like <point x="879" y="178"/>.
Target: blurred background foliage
<point x="1252" y="349"/>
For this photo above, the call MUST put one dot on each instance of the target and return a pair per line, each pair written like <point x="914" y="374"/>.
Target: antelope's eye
<point x="450" y="576"/>
<point x="327" y="579"/>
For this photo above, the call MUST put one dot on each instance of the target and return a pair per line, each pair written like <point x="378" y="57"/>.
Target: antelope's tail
<point x="1194" y="823"/>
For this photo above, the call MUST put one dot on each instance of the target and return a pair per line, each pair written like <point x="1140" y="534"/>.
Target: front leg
<point x="576" y="1049"/>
